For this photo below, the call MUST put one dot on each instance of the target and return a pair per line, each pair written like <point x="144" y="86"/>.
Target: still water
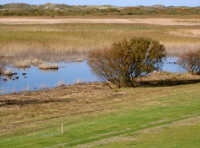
<point x="170" y="64"/>
<point x="34" y="78"/>
<point x="68" y="73"/>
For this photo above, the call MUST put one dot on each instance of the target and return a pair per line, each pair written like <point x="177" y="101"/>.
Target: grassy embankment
<point x="95" y="116"/>
<point x="58" y="41"/>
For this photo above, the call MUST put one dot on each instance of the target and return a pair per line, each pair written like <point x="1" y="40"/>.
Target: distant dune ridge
<point x="49" y="9"/>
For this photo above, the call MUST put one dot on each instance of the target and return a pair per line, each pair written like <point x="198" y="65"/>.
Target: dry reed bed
<point x="155" y="21"/>
<point x="61" y="41"/>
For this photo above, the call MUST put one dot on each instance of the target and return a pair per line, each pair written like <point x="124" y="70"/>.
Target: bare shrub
<point x="191" y="61"/>
<point x="126" y="60"/>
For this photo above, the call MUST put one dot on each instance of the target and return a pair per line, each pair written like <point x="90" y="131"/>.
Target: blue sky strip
<point x="111" y="2"/>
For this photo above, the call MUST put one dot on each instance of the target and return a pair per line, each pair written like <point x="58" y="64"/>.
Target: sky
<point x="111" y="2"/>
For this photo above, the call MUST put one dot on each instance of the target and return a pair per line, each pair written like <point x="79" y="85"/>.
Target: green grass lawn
<point x="144" y="117"/>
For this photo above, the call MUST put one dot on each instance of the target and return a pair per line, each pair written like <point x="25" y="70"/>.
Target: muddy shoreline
<point x="157" y="79"/>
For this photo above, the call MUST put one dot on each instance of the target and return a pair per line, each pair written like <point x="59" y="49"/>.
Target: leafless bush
<point x="191" y="61"/>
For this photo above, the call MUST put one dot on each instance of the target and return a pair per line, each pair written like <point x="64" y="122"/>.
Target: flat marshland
<point x="160" y="113"/>
<point x="61" y="41"/>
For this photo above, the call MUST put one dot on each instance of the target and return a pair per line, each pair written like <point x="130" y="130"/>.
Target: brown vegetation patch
<point x="155" y="21"/>
<point x="186" y="32"/>
<point x="32" y="109"/>
<point x="47" y="66"/>
<point x="176" y="49"/>
<point x="23" y="64"/>
<point x="17" y="110"/>
<point x="186" y="122"/>
<point x="167" y="79"/>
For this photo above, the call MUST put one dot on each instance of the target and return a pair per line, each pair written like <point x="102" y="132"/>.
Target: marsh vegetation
<point x="59" y="42"/>
<point x="26" y="45"/>
<point x="96" y="114"/>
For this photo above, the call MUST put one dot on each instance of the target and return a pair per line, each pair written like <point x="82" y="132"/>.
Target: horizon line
<point x="99" y="5"/>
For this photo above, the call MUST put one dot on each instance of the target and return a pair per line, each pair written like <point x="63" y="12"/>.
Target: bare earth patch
<point x="187" y="122"/>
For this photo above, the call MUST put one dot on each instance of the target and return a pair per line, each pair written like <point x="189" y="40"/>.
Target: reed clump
<point x="9" y="73"/>
<point x="23" y="64"/>
<point x="27" y="63"/>
<point x="48" y="66"/>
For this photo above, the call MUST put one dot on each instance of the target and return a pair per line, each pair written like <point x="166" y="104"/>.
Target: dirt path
<point x="154" y="21"/>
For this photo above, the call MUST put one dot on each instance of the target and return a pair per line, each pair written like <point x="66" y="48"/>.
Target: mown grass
<point x="101" y="117"/>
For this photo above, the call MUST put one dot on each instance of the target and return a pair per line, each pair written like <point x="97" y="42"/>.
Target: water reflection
<point x="68" y="73"/>
<point x="170" y="64"/>
<point x="34" y="78"/>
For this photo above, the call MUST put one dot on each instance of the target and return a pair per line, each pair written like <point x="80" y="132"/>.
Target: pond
<point x="68" y="73"/>
<point x="34" y="79"/>
<point x="170" y="64"/>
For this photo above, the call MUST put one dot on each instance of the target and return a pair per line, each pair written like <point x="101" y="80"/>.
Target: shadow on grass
<point x="163" y="83"/>
<point x="11" y="102"/>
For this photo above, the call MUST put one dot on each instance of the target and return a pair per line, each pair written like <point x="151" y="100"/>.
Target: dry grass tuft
<point x="27" y="63"/>
<point x="47" y="66"/>
<point x="177" y="49"/>
<point x="167" y="79"/>
<point x="23" y="64"/>
<point x="168" y="76"/>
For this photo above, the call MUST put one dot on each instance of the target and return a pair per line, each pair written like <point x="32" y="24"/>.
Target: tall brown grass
<point x="64" y="41"/>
